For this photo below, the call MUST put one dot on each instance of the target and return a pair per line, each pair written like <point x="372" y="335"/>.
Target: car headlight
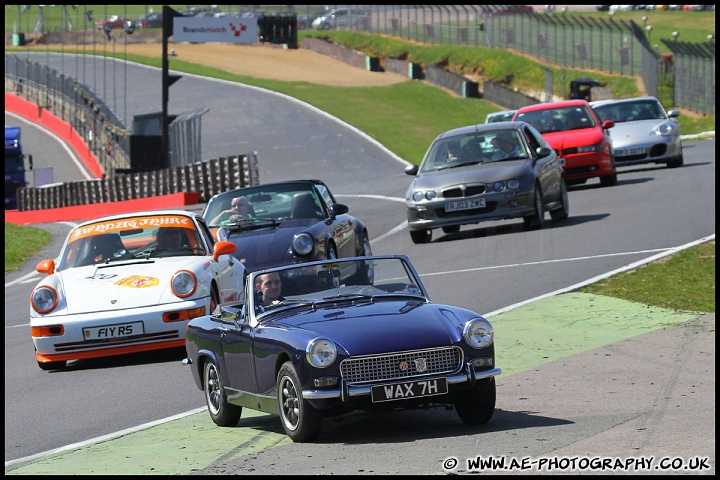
<point x="44" y="299"/>
<point x="590" y="148"/>
<point x="500" y="186"/>
<point x="321" y="352"/>
<point x="420" y="196"/>
<point x="183" y="283"/>
<point x="663" y="130"/>
<point x="478" y="333"/>
<point x="302" y="244"/>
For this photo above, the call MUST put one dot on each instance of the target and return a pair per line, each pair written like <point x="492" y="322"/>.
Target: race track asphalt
<point x="650" y="368"/>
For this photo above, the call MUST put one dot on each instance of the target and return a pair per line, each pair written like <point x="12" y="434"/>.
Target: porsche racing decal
<point x="138" y="281"/>
<point x="131" y="224"/>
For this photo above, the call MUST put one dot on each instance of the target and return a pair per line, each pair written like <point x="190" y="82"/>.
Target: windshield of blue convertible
<point x="331" y="281"/>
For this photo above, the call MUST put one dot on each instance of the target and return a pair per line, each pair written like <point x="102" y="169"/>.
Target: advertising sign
<point x="210" y="29"/>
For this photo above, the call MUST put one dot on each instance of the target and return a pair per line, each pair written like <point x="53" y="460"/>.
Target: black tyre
<point x="366" y="274"/>
<point x="421" y="236"/>
<point x="537" y="219"/>
<point x="52" y="365"/>
<point x="563" y="211"/>
<point x="214" y="298"/>
<point x="222" y="413"/>
<point x="610" y="180"/>
<point x="676" y="162"/>
<point x="452" y="229"/>
<point x="301" y="422"/>
<point x="476" y="406"/>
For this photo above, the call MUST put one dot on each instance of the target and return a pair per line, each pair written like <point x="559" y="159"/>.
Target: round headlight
<point x="431" y="195"/>
<point x="478" y="333"/>
<point x="513" y="184"/>
<point x="321" y="352"/>
<point x="498" y="186"/>
<point x="302" y="244"/>
<point x="418" y="196"/>
<point x="44" y="299"/>
<point x="183" y="283"/>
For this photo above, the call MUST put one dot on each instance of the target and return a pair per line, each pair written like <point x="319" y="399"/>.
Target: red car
<point x="575" y="132"/>
<point x="114" y="21"/>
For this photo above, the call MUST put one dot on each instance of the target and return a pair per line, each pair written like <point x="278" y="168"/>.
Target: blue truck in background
<point x="15" y="171"/>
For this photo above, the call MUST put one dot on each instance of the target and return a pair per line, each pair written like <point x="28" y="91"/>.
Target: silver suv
<point x="342" y="19"/>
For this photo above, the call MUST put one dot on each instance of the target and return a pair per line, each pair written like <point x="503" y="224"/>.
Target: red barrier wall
<point x="97" y="210"/>
<point x="39" y="115"/>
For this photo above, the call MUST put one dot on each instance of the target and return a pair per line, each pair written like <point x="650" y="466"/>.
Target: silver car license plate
<point x="624" y="152"/>
<point x="464" y="204"/>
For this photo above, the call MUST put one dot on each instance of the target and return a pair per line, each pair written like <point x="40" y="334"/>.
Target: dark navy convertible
<point x="278" y="223"/>
<point x="345" y="334"/>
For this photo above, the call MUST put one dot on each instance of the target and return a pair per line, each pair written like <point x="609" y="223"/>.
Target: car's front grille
<point x="457" y="192"/>
<point x="401" y="365"/>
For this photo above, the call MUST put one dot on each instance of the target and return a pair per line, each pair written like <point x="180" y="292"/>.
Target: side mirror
<point x="543" y="151"/>
<point x="46" y="266"/>
<point x="608" y="124"/>
<point x="338" y="209"/>
<point x="222" y="248"/>
<point x="411" y="169"/>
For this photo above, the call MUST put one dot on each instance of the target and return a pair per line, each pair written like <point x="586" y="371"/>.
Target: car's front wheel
<point x="676" y="162"/>
<point x="221" y="411"/>
<point x="451" y="229"/>
<point x="563" y="211"/>
<point x="610" y="180"/>
<point x="366" y="273"/>
<point x="476" y="406"/>
<point x="538" y="217"/>
<point x="51" y="365"/>
<point x="421" y="236"/>
<point x="301" y="422"/>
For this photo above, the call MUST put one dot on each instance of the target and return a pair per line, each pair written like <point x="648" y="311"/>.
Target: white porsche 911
<point x="129" y="283"/>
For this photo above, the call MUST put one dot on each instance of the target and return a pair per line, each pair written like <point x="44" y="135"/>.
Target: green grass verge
<point x="21" y="243"/>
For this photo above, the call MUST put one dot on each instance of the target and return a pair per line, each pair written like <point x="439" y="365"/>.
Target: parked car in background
<point x="129" y="283"/>
<point x="644" y="132"/>
<point x="114" y="21"/>
<point x="286" y="222"/>
<point x="576" y="133"/>
<point x="332" y="345"/>
<point x="342" y="19"/>
<point x="151" y="20"/>
<point x="305" y="21"/>
<point x="493" y="171"/>
<point x="503" y="116"/>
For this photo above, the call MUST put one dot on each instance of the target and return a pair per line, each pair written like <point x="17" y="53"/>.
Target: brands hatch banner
<point x="204" y="30"/>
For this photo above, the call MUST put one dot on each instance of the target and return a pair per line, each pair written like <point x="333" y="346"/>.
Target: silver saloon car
<point x="643" y="132"/>
<point x="492" y="171"/>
